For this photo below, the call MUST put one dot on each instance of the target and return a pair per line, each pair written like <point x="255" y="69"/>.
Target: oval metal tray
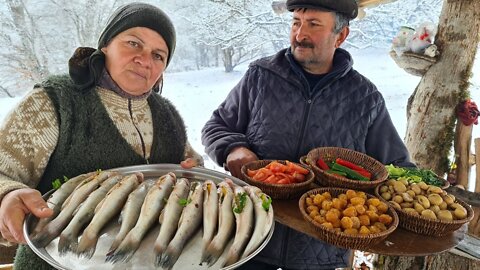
<point x="144" y="256"/>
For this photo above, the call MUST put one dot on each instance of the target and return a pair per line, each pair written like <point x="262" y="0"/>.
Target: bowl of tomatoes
<point x="281" y="179"/>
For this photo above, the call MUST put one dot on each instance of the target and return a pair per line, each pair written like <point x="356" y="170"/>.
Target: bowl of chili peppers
<point x="346" y="168"/>
<point x="280" y="179"/>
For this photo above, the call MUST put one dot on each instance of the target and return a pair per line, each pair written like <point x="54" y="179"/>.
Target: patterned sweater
<point x="30" y="133"/>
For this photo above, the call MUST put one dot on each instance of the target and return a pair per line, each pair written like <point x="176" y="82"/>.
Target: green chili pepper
<point x="350" y="173"/>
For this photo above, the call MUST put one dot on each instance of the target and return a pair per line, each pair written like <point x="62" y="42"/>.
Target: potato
<point x="460" y="212"/>
<point x="351" y="231"/>
<point x="380" y="226"/>
<point x="309" y="201"/>
<point x="445" y="215"/>
<point x="435" y="208"/>
<point x="357" y="201"/>
<point x="350" y="211"/>
<point x="386" y="196"/>
<point x="384" y="188"/>
<point x="399" y="187"/>
<point x="346" y="222"/>
<point x="411" y="211"/>
<point x="398" y="199"/>
<point x="327" y="195"/>
<point x="364" y="220"/>
<point x="406" y="205"/>
<point x="435" y="199"/>
<point x="318" y="199"/>
<point x="332" y="216"/>
<point x="385" y="219"/>
<point x="429" y="214"/>
<point x="449" y="199"/>
<point x="364" y="230"/>
<point x="416" y="189"/>
<point x="327" y="225"/>
<point x="434" y="189"/>
<point x="423" y="185"/>
<point x="312" y="208"/>
<point x="351" y="194"/>
<point x="360" y="209"/>
<point x="404" y="182"/>
<point x="423" y="201"/>
<point x="443" y="206"/>
<point x="320" y="219"/>
<point x="407" y="197"/>
<point x="382" y="208"/>
<point x="395" y="205"/>
<point x="356" y="222"/>
<point x="411" y="193"/>
<point x="327" y="205"/>
<point x="372" y="215"/>
<point x="418" y="207"/>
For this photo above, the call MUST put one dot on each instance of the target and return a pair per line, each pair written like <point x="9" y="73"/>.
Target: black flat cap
<point x="347" y="7"/>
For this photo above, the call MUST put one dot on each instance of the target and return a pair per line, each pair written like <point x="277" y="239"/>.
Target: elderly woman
<point x="107" y="113"/>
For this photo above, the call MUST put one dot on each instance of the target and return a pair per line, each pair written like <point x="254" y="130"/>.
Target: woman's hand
<point x="237" y="158"/>
<point x="188" y="163"/>
<point x="13" y="208"/>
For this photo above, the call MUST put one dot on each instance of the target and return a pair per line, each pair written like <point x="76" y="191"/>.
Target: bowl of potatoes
<point x="425" y="209"/>
<point x="348" y="218"/>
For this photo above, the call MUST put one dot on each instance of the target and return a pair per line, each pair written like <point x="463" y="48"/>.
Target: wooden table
<point x="400" y="243"/>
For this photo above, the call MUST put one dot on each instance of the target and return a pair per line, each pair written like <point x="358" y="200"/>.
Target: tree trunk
<point x="431" y="108"/>
<point x="431" y="111"/>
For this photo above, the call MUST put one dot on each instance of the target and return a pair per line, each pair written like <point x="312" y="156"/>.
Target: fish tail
<point x="67" y="243"/>
<point x="125" y="249"/>
<point x="169" y="258"/>
<point x="114" y="246"/>
<point x="211" y="254"/>
<point x="86" y="247"/>
<point x="44" y="238"/>
<point x="158" y="259"/>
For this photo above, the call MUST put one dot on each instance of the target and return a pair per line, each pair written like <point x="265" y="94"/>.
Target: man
<point x="303" y="97"/>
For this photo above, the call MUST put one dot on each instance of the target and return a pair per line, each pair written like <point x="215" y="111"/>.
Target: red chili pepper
<point x="322" y="164"/>
<point x="354" y="167"/>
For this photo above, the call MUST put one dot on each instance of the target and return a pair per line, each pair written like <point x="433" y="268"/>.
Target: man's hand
<point x="13" y="208"/>
<point x="237" y="158"/>
<point x="188" y="163"/>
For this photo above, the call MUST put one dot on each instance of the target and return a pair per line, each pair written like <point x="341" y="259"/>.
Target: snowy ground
<point x="197" y="93"/>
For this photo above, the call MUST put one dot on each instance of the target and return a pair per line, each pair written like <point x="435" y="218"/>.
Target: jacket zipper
<point x="138" y="131"/>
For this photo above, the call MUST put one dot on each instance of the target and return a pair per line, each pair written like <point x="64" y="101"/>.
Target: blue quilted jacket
<point x="273" y="112"/>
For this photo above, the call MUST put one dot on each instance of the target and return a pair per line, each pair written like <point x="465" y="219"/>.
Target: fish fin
<point x="86" y="247"/>
<point x="211" y="254"/>
<point x="169" y="258"/>
<point x="67" y="243"/>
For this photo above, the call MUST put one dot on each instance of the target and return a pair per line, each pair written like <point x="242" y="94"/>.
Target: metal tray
<point x="144" y="256"/>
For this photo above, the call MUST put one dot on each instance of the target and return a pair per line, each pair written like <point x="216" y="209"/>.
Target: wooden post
<point x="477" y="165"/>
<point x="463" y="139"/>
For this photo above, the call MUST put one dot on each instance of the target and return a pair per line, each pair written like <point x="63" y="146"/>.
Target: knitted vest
<point x="89" y="140"/>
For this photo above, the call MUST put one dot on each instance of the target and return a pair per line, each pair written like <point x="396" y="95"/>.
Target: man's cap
<point x="347" y="7"/>
<point x="139" y="15"/>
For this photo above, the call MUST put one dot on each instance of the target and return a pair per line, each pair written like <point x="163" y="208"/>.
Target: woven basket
<point x="278" y="191"/>
<point x="427" y="226"/>
<point x="328" y="154"/>
<point x="303" y="161"/>
<point x="340" y="239"/>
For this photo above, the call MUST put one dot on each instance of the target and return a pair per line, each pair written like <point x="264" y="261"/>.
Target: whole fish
<point x="210" y="213"/>
<point x="83" y="214"/>
<point x="150" y="211"/>
<point x="189" y="222"/>
<point x="263" y="218"/>
<point x="130" y="213"/>
<point x="226" y="222"/>
<point x="81" y="192"/>
<point x="171" y="215"/>
<point x="112" y="204"/>
<point x="243" y="211"/>
<point x="58" y="197"/>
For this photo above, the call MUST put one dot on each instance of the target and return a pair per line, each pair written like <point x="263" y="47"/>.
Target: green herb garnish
<point x="184" y="202"/>
<point x="240" y="202"/>
<point x="266" y="202"/>
<point x="57" y="183"/>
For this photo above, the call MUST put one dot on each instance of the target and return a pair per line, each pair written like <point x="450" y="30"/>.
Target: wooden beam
<point x="477" y="167"/>
<point x="463" y="140"/>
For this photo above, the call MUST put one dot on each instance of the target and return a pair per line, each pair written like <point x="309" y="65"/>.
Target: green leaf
<point x="240" y="202"/>
<point x="56" y="184"/>
<point x="266" y="202"/>
<point x="184" y="202"/>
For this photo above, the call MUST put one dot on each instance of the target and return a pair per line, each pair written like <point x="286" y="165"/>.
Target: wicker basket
<point x="278" y="191"/>
<point x="340" y="239"/>
<point x="303" y="161"/>
<point x="426" y="226"/>
<point x="328" y="154"/>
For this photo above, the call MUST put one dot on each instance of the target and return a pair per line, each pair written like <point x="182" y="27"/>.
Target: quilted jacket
<point x="273" y="112"/>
